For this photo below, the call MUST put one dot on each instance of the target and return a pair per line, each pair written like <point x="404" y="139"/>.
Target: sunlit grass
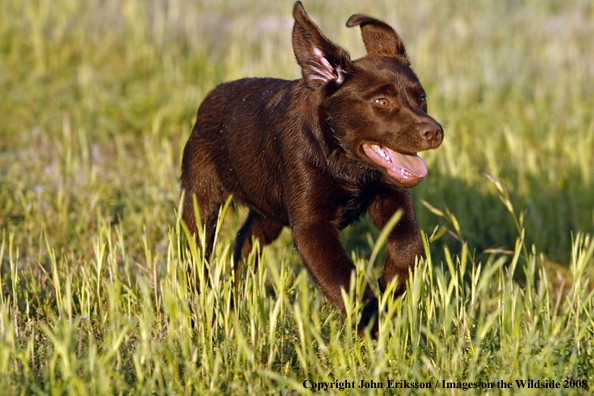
<point x="101" y="330"/>
<point x="98" y="99"/>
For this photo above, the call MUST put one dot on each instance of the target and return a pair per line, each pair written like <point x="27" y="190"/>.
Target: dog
<point x="315" y="154"/>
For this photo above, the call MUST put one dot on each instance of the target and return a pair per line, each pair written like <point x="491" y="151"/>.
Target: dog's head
<point x="375" y="106"/>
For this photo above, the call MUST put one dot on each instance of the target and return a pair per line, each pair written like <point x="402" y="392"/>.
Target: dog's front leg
<point x="404" y="242"/>
<point x="318" y="244"/>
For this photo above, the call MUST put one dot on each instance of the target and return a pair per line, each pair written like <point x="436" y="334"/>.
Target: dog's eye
<point x="382" y="102"/>
<point x="423" y="101"/>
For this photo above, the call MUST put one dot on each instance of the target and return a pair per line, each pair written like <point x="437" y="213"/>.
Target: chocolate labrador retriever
<point x="315" y="154"/>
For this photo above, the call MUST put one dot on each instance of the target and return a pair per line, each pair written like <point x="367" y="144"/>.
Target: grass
<point x="98" y="99"/>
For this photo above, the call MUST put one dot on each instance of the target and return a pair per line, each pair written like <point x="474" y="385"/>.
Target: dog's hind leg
<point x="209" y="210"/>
<point x="208" y="218"/>
<point x="201" y="181"/>
<point x="262" y="229"/>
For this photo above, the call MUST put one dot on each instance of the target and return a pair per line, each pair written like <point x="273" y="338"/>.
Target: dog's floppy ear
<point x="320" y="59"/>
<point x="378" y="36"/>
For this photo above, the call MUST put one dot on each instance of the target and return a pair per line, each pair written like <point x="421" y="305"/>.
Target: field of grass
<point x="97" y="101"/>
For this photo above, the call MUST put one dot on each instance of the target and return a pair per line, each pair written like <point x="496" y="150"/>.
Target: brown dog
<point x="316" y="153"/>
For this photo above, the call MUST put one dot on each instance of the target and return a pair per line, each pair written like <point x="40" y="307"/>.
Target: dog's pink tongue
<point x="411" y="162"/>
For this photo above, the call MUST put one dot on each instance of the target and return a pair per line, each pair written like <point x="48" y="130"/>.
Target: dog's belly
<point x="254" y="183"/>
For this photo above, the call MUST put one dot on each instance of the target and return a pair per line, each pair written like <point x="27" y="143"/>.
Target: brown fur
<point x="292" y="152"/>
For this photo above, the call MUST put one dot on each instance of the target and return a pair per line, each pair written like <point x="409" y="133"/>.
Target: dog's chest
<point x="352" y="207"/>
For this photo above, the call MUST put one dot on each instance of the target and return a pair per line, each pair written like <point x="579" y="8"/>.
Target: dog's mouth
<point x="406" y="168"/>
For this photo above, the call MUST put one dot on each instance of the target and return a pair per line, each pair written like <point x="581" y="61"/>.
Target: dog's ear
<point x="320" y="59"/>
<point x="378" y="36"/>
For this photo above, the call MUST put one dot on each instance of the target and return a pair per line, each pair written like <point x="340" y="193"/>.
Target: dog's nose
<point x="433" y="134"/>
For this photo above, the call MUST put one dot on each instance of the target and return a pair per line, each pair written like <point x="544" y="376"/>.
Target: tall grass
<point x="98" y="99"/>
<point x="101" y="330"/>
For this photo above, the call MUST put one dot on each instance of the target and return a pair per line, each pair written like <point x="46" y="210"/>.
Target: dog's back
<point x="238" y="144"/>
